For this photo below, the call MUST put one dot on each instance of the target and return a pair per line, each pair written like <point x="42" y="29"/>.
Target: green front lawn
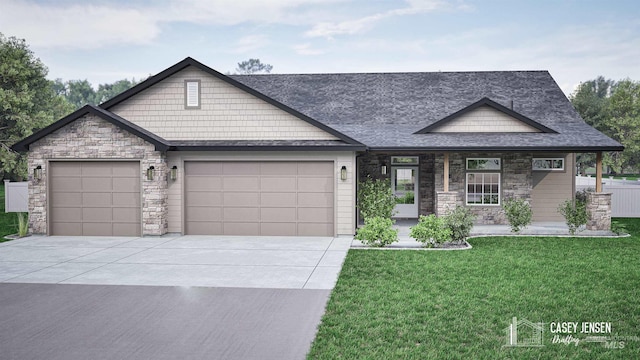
<point x="458" y="304"/>
<point x="8" y="221"/>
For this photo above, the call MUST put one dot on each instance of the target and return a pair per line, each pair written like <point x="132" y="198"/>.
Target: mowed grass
<point x="458" y="304"/>
<point x="8" y="221"/>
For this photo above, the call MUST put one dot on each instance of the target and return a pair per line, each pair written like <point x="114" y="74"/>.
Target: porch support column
<point x="599" y="203"/>
<point x="599" y="172"/>
<point x="446" y="172"/>
<point x="599" y="211"/>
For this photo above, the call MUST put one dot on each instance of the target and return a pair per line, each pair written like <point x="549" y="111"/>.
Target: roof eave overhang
<point x="578" y="149"/>
<point x="266" y="148"/>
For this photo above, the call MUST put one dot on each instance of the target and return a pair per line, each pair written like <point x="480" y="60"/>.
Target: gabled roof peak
<point x="159" y="143"/>
<point x="189" y="61"/>
<point x="485" y="101"/>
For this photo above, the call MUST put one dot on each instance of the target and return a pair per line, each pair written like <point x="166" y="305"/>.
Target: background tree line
<point x="613" y="107"/>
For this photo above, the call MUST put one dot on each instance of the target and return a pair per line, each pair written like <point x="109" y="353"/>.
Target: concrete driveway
<point x="211" y="297"/>
<point x="210" y="261"/>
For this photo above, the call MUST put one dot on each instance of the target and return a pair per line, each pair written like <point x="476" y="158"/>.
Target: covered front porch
<point x="434" y="182"/>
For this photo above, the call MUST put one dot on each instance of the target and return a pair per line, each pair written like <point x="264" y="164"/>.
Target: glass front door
<point x="404" y="182"/>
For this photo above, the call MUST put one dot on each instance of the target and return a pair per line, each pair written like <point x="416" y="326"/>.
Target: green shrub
<point x="376" y="199"/>
<point x="431" y="231"/>
<point x="575" y="214"/>
<point x="618" y="228"/>
<point x="23" y="224"/>
<point x="518" y="213"/>
<point x="377" y="231"/>
<point x="459" y="221"/>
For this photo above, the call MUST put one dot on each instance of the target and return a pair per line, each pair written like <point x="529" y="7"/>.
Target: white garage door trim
<point x="291" y="198"/>
<point x="96" y="202"/>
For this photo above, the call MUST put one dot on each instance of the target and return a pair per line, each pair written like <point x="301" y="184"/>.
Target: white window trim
<point x="534" y="168"/>
<point x="394" y="162"/>
<point x="487" y="158"/>
<point x="187" y="98"/>
<point x="466" y="191"/>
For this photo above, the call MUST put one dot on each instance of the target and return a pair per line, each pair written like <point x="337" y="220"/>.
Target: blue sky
<point x="107" y="40"/>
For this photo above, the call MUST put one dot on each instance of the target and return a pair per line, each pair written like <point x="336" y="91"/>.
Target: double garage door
<point x="221" y="198"/>
<point x="94" y="198"/>
<point x="259" y="198"/>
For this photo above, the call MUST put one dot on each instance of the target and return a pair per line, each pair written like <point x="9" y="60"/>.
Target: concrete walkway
<point x="210" y="261"/>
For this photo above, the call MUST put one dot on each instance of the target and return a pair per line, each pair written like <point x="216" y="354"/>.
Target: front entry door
<point x="404" y="182"/>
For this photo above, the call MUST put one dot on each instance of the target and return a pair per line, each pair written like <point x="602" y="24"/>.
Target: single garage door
<point x="259" y="198"/>
<point x="95" y="198"/>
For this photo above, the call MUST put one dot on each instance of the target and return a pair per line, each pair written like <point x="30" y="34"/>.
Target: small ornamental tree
<point x="431" y="231"/>
<point x="459" y="221"/>
<point x="518" y="213"/>
<point x="377" y="231"/>
<point x="575" y="214"/>
<point x="376" y="199"/>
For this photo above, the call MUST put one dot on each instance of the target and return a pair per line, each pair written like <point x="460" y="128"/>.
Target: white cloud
<point x="92" y="24"/>
<point x="78" y="26"/>
<point x="355" y="26"/>
<point x="250" y="43"/>
<point x="232" y="12"/>
<point x="306" y="49"/>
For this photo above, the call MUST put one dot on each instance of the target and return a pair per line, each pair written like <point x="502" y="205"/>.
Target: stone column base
<point x="445" y="201"/>
<point x="599" y="211"/>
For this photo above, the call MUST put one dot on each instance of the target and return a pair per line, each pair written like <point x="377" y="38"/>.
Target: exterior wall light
<point x="150" y="172"/>
<point x="37" y="172"/>
<point x="173" y="174"/>
<point x="383" y="169"/>
<point x="343" y="173"/>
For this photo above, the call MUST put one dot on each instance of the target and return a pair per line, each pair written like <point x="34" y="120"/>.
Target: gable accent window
<point x="483" y="164"/>
<point x="192" y="94"/>
<point x="548" y="164"/>
<point x="483" y="188"/>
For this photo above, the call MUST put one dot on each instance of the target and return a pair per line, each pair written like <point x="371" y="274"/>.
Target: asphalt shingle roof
<point x="384" y="110"/>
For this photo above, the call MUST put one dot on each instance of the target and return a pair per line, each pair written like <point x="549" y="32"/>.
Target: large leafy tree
<point x="624" y="124"/>
<point x="28" y="101"/>
<point x="614" y="109"/>
<point x="253" y="66"/>
<point x="591" y="100"/>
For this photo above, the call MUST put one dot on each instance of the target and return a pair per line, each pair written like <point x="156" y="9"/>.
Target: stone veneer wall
<point x="370" y="165"/>
<point x="92" y="138"/>
<point x="445" y="202"/>
<point x="516" y="181"/>
<point x="427" y="188"/>
<point x="599" y="210"/>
